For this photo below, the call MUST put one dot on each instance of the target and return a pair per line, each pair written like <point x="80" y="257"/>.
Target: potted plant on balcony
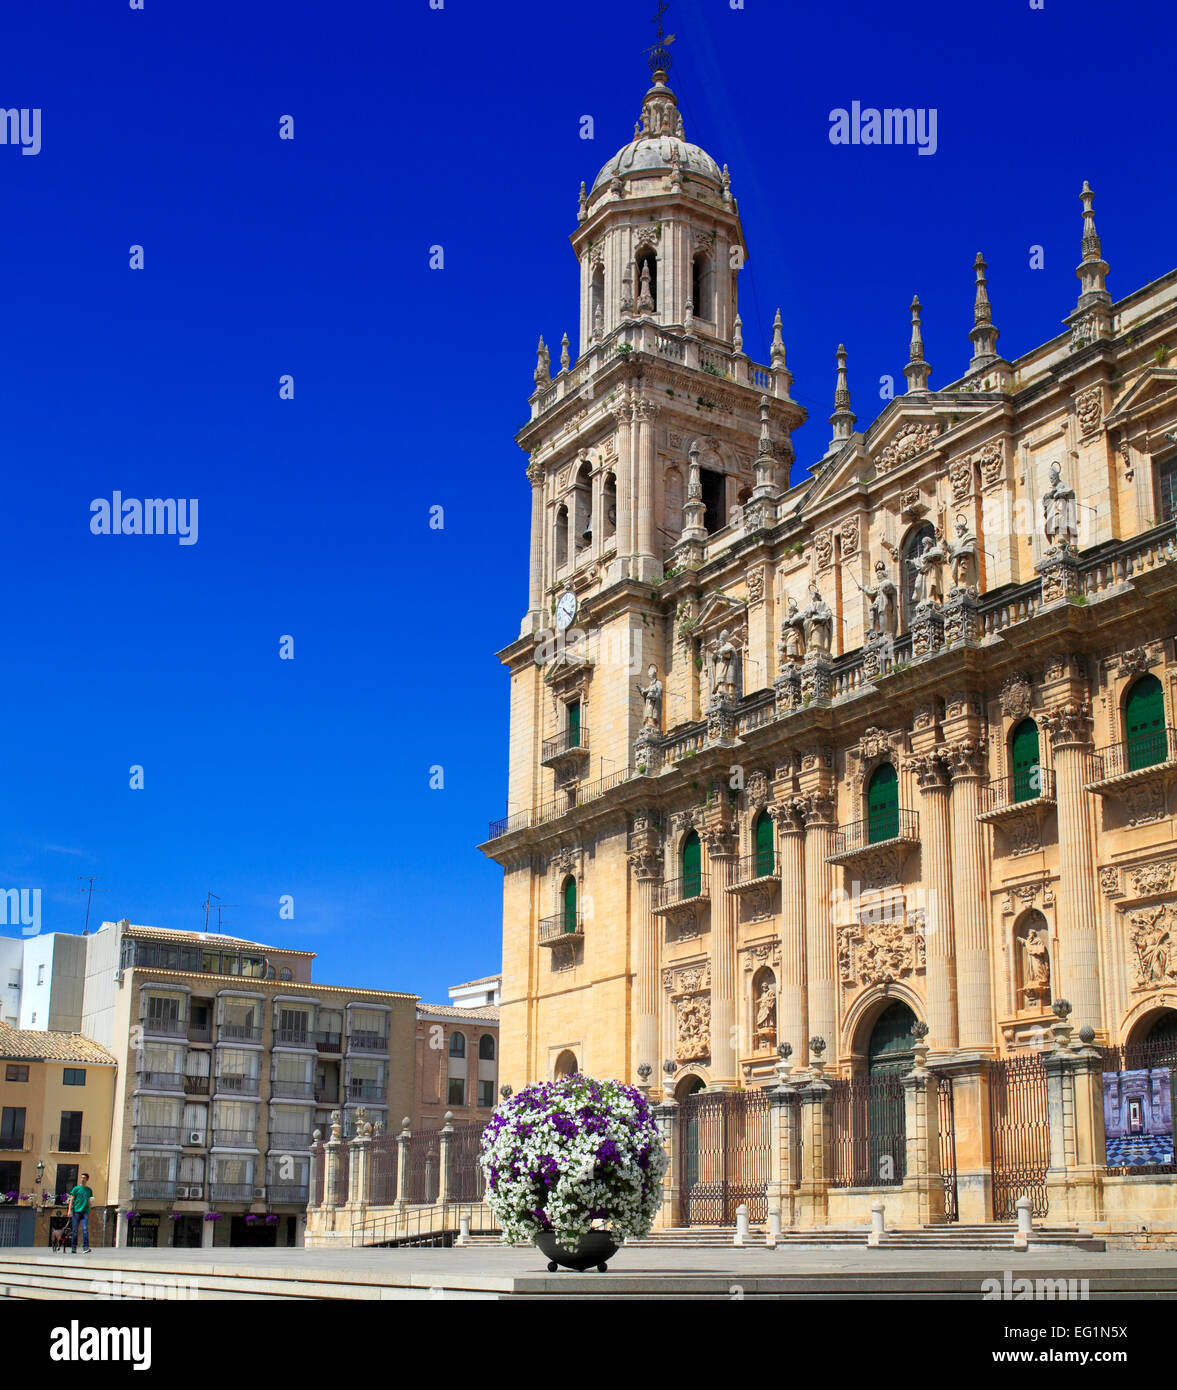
<point x="576" y="1166"/>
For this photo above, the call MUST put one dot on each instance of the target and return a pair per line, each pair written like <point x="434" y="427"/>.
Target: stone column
<point x="1076" y="973"/>
<point x="820" y="952"/>
<point x="792" y="1005"/>
<point x="965" y="759"/>
<point x="645" y="858"/>
<point x="444" y="1146"/>
<point x="1074" y="1093"/>
<point x="331" y="1161"/>
<point x="535" y="578"/>
<point x="402" y="1164"/>
<point x="811" y="1202"/>
<point x="626" y="475"/>
<point x="721" y="863"/>
<point x="666" y="1117"/>
<point x="645" y="413"/>
<point x="922" y="1182"/>
<point x="939" y="926"/>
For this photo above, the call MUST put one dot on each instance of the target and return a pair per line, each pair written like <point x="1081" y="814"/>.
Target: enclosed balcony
<point x="157" y="1134"/>
<point x="236" y="1085"/>
<point x="364" y="1091"/>
<point x="361" y="1040"/>
<point x="292" y="1090"/>
<point x="239" y="1032"/>
<point x="152" y="1189"/>
<point x="288" y="1192"/>
<point x="232" y="1191"/>
<point x="285" y="1141"/>
<point x="293" y="1037"/>
<point x="164" y="1026"/>
<point x="160" y="1081"/>
<point x="234" y="1138"/>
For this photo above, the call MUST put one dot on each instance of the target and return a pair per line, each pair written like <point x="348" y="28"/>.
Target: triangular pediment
<point x="717" y="610"/>
<point x="905" y="436"/>
<point x="1154" y="387"/>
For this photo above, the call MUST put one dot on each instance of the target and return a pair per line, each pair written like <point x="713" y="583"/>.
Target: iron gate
<point x="1020" y="1134"/>
<point x="724" y="1145"/>
<point x="946" y="1127"/>
<point x="466" y="1179"/>
<point x="868" y="1131"/>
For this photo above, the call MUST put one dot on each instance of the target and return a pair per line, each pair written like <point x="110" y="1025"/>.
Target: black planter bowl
<point x="595" y="1248"/>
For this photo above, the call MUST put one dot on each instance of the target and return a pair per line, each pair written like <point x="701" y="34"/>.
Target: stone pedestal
<point x="923" y="1180"/>
<point x="666" y="1117"/>
<point x="974" y="1169"/>
<point x="1074" y="1094"/>
<point x="962" y="618"/>
<point x="1059" y="569"/>
<point x="927" y="630"/>
<point x="816" y="680"/>
<point x="811" y="1199"/>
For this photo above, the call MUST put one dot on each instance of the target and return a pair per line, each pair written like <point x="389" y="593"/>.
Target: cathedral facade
<point x="873" y="764"/>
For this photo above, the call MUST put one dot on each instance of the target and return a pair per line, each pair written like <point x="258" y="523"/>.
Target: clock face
<point x="565" y="610"/>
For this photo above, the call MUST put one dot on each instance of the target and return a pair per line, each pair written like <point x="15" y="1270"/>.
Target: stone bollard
<point x="1025" y="1223"/>
<point x="774" y="1228"/>
<point x="877" y="1209"/>
<point x="463" y="1230"/>
<point x="741" y="1236"/>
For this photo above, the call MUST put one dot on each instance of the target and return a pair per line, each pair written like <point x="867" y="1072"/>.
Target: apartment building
<point x="457" y="1055"/>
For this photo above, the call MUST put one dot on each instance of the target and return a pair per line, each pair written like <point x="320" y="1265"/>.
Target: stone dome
<point x="659" y="146"/>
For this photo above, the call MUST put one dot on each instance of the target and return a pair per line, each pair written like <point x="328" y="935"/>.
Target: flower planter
<point x="595" y="1248"/>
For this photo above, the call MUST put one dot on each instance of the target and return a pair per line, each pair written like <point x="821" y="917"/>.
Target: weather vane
<point x="660" y="51"/>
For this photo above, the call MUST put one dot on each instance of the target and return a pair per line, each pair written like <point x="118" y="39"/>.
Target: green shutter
<point x="765" y="859"/>
<point x="1144" y="723"/>
<point x="692" y="878"/>
<point x="574" y="724"/>
<point x="882" y="805"/>
<point x="570" y="905"/>
<point x="1023" y="748"/>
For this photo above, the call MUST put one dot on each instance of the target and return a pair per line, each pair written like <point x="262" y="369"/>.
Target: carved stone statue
<point x="792" y="644"/>
<point x="724" y="669"/>
<point x="652" y="695"/>
<point x="766" y="1015"/>
<point x="926" y="562"/>
<point x="1060" y="512"/>
<point x="963" y="555"/>
<point x="818" y="622"/>
<point x="1036" y="966"/>
<point x="884" y="602"/>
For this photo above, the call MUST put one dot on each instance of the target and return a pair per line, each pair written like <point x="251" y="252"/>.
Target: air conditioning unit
<point x="258" y="1193"/>
<point x="196" y="1192"/>
<point x="181" y="1192"/>
<point x="196" y="1136"/>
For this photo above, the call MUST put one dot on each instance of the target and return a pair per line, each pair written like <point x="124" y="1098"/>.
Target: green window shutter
<point x="882" y="804"/>
<point x="764" y="846"/>
<point x="1023" y="748"/>
<point x="1144" y="723"/>
<point x="574" y="724"/>
<point x="691" y="867"/>
<point x="570" y="905"/>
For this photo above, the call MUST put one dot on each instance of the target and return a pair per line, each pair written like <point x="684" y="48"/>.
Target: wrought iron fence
<point x="724" y="1153"/>
<point x="1019" y="1134"/>
<point x="318" y="1167"/>
<point x="946" y="1125"/>
<point x="423" y="1167"/>
<point x="466" y="1183"/>
<point x="383" y="1164"/>
<point x="869" y="1131"/>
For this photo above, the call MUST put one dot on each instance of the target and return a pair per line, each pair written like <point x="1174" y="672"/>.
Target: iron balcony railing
<point x="1144" y="750"/>
<point x="288" y="1192"/>
<point x="157" y="1134"/>
<point x="566" y="741"/>
<point x="750" y="867"/>
<point x="152" y="1188"/>
<point x="161" y="1081"/>
<point x="16" y="1141"/>
<point x="1035" y="784"/>
<point x="196" y="1085"/>
<point x="231" y="1191"/>
<point x="361" y="1041"/>
<point x="234" y="1139"/>
<point x="681" y="890"/>
<point x="329" y="1042"/>
<point x="69" y="1144"/>
<point x="239" y="1032"/>
<point x="242" y="1085"/>
<point x="326" y="1095"/>
<point x="292" y="1090"/>
<point x="200" y="1032"/>
<point x="165" y="1027"/>
<point x="895" y="823"/>
<point x="563" y="925"/>
<point x="289" y="1143"/>
<point x="519" y="820"/>
<point x="365" y="1090"/>
<point x="293" y="1037"/>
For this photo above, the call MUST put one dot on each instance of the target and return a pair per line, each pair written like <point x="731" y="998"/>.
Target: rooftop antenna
<point x="659" y="52"/>
<point x="89" y="891"/>
<point x="223" y="907"/>
<point x="207" y="905"/>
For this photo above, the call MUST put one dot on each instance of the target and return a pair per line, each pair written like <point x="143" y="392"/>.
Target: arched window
<point x="486" y="1048"/>
<point x="561" y="536"/>
<point x="646" y="258"/>
<point x="907" y="575"/>
<point x="765" y="850"/>
<point x="568" y="904"/>
<point x="457" y="1044"/>
<point x="882" y="804"/>
<point x="1144" y="724"/>
<point x="691" y="864"/>
<point x="1023" y="757"/>
<point x="609" y="500"/>
<point x="565" y="1065"/>
<point x="702" y="287"/>
<point x="583" y="501"/>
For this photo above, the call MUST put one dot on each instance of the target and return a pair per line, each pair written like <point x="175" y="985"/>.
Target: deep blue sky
<point x="263" y="257"/>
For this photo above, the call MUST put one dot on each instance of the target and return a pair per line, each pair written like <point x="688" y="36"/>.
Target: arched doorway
<point x="891" y="1047"/>
<point x="687" y="1086"/>
<point x="565" y="1065"/>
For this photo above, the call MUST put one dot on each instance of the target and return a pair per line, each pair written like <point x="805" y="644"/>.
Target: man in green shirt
<point x="80" y="1198"/>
